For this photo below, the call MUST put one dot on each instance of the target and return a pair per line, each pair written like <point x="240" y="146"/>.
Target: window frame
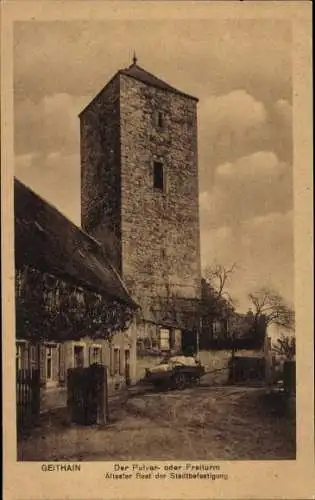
<point x="164" y="346"/>
<point x="19" y="355"/>
<point x="116" y="361"/>
<point x="33" y="356"/>
<point x="82" y="345"/>
<point x="159" y="120"/>
<point x="161" y="184"/>
<point x="92" y="358"/>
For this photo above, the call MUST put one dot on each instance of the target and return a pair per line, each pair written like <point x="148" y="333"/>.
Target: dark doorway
<point x="78" y="356"/>
<point x="127" y="366"/>
<point x="189" y="342"/>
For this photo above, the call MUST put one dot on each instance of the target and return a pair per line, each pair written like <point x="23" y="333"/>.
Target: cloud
<point x="55" y="177"/>
<point x="203" y="55"/>
<point x="240" y="70"/>
<point x="283" y="110"/>
<point x="252" y="167"/>
<point x="230" y="126"/>
<point x="24" y="162"/>
<point x="253" y="185"/>
<point x="48" y="125"/>
<point x="238" y="111"/>
<point x="262" y="248"/>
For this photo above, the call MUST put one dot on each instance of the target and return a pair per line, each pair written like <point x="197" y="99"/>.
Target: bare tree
<point x="272" y="306"/>
<point x="219" y="276"/>
<point x="217" y="305"/>
<point x="285" y="346"/>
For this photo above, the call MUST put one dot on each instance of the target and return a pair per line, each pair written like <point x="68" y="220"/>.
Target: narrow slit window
<point x="158" y="175"/>
<point x="160" y="120"/>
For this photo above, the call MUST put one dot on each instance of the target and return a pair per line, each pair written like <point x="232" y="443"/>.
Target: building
<point x="241" y="331"/>
<point x="139" y="197"/>
<point x="72" y="307"/>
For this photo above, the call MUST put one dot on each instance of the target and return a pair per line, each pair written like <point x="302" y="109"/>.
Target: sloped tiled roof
<point x="138" y="73"/>
<point x="142" y="75"/>
<point x="48" y="241"/>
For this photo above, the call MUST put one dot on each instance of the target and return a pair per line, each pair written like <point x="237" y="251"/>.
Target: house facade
<point x="72" y="308"/>
<point x="54" y="358"/>
<point x="139" y="197"/>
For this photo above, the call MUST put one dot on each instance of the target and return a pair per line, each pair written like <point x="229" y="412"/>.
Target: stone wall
<point x="152" y="235"/>
<point x="122" y="342"/>
<point x="100" y="170"/>
<point x="144" y="362"/>
<point x="160" y="229"/>
<point x="215" y="363"/>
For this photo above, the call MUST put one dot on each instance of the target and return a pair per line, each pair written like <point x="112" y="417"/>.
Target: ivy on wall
<point x="49" y="308"/>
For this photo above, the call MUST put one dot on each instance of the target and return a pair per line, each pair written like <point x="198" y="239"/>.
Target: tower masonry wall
<point x="160" y="228"/>
<point x="100" y="170"/>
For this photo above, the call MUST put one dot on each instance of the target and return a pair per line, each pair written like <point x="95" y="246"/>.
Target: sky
<point x="241" y="72"/>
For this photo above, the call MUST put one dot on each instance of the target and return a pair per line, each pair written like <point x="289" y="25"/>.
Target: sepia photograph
<point x="153" y="203"/>
<point x="156" y="250"/>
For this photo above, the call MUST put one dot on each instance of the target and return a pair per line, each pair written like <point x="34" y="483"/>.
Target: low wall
<point x="144" y="362"/>
<point x="215" y="363"/>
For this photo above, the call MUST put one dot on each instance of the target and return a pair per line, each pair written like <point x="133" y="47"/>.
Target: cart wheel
<point x="180" y="380"/>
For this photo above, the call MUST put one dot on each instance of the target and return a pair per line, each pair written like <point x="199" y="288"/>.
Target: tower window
<point x="158" y="175"/>
<point x="159" y="119"/>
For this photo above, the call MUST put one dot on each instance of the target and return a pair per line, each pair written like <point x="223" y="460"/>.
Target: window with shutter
<point x="164" y="338"/>
<point x="33" y="356"/>
<point x="42" y="357"/>
<point x="18" y="358"/>
<point x="122" y="362"/>
<point x="62" y="362"/>
<point x="95" y="355"/>
<point x="111" y="362"/>
<point x="116" y="361"/>
<point x="78" y="352"/>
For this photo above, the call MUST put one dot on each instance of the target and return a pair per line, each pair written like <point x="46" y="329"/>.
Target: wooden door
<point x="127" y="366"/>
<point x="78" y="352"/>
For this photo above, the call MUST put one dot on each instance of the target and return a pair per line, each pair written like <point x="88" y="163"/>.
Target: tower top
<point x="142" y="75"/>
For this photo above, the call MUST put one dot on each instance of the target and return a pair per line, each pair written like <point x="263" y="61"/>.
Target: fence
<point x="27" y="398"/>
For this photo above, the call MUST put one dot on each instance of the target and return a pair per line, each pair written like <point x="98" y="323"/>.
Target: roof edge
<point x="99" y="93"/>
<point x="130" y="301"/>
<point x="170" y="89"/>
<point x="122" y="72"/>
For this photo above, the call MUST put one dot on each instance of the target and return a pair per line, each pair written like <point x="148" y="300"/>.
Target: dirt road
<point x="203" y="423"/>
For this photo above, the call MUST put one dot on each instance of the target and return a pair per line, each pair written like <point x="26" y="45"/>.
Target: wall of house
<point x="113" y="355"/>
<point x="160" y="229"/>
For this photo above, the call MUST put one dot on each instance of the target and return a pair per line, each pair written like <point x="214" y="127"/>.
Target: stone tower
<point x="139" y="184"/>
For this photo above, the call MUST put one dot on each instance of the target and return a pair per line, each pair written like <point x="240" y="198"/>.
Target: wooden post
<point x="102" y="397"/>
<point x="35" y="387"/>
<point x="105" y="389"/>
<point x="199" y="329"/>
<point x="70" y="395"/>
<point x="268" y="361"/>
